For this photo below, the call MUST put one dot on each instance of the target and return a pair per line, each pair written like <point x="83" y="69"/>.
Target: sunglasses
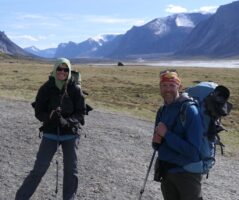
<point x="167" y="71"/>
<point x="59" y="69"/>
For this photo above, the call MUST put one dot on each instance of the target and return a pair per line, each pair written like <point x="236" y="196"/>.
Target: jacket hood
<point x="60" y="61"/>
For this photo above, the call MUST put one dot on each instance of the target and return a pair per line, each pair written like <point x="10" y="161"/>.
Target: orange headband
<point x="169" y="76"/>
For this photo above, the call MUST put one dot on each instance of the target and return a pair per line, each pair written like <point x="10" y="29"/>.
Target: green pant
<point x="182" y="186"/>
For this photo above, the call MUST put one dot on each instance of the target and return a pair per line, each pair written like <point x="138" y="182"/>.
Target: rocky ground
<point x="113" y="158"/>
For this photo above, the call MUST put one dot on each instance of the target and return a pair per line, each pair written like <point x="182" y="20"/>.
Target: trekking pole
<point x="58" y="109"/>
<point x="57" y="157"/>
<point x="57" y="154"/>
<point x="147" y="175"/>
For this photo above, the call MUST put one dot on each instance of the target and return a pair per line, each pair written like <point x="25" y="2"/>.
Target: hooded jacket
<point x="70" y="99"/>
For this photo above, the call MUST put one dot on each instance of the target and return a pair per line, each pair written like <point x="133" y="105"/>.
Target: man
<point x="177" y="143"/>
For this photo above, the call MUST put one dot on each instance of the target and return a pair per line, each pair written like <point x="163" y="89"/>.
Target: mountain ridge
<point x="175" y="36"/>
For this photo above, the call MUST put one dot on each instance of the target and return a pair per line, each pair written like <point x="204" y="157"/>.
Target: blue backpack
<point x="212" y="102"/>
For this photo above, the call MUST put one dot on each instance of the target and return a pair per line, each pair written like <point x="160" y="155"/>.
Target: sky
<point x="47" y="23"/>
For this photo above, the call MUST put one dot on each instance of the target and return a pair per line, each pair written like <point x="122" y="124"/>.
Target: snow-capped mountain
<point x="102" y="39"/>
<point x="32" y="49"/>
<point x="162" y="26"/>
<point x="159" y="36"/>
<point x="45" y="53"/>
<point x="83" y="49"/>
<point x="217" y="36"/>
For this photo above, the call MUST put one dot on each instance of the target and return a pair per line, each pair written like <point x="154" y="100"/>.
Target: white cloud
<point x="32" y="16"/>
<point x="179" y="9"/>
<point x="27" y="37"/>
<point x="208" y="9"/>
<point x="175" y="9"/>
<point x="113" y="20"/>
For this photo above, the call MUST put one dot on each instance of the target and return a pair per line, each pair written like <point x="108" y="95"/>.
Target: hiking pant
<point x="45" y="154"/>
<point x="182" y="186"/>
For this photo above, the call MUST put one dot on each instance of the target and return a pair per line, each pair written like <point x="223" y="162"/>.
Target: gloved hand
<point x="63" y="122"/>
<point x="155" y="145"/>
<point x="55" y="115"/>
<point x="57" y="118"/>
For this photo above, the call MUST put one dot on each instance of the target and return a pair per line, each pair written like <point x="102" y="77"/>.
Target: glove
<point x="155" y="145"/>
<point x="57" y="118"/>
<point x="62" y="122"/>
<point x="55" y="115"/>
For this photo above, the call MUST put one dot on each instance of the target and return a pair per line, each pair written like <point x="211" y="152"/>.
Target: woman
<point x="60" y="105"/>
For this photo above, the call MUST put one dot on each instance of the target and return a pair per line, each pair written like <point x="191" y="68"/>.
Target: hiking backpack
<point x="212" y="102"/>
<point x="76" y="76"/>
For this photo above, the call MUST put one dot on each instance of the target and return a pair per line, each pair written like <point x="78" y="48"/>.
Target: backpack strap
<point x="182" y="112"/>
<point x="183" y="108"/>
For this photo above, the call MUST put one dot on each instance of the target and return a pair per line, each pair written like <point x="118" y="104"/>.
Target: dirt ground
<point x="113" y="159"/>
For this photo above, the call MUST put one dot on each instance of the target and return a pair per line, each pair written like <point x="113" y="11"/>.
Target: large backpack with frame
<point x="212" y="102"/>
<point x="76" y="76"/>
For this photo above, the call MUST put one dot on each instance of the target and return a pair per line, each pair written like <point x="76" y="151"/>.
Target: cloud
<point x="27" y="37"/>
<point x="113" y="20"/>
<point x="208" y="9"/>
<point x="34" y="22"/>
<point x="179" y="9"/>
<point x="32" y="16"/>
<point x="175" y="9"/>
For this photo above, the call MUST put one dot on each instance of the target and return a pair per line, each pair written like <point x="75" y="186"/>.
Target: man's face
<point x="169" y="91"/>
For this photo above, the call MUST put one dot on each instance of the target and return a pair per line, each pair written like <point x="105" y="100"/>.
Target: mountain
<point x="218" y="36"/>
<point x="159" y="36"/>
<point x="83" y="49"/>
<point x="107" y="48"/>
<point x="182" y="35"/>
<point x="10" y="48"/>
<point x="45" y="53"/>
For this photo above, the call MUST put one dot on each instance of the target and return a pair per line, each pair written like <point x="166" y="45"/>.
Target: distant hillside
<point x="10" y="48"/>
<point x="217" y="36"/>
<point x="84" y="49"/>
<point x="161" y="35"/>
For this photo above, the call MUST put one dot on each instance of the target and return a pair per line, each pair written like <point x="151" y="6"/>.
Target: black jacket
<point x="72" y="104"/>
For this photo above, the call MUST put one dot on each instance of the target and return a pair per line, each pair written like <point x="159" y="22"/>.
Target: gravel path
<point x="113" y="158"/>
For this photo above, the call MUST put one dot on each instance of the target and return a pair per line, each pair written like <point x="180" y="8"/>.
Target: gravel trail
<point x="113" y="158"/>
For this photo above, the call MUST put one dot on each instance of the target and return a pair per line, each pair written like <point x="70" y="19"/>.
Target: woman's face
<point x="62" y="72"/>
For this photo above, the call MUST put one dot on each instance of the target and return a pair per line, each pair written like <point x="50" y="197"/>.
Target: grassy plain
<point x="132" y="90"/>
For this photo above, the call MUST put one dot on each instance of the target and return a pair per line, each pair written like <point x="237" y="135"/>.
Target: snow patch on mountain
<point x="32" y="49"/>
<point x="158" y="26"/>
<point x="183" y="20"/>
<point x="101" y="39"/>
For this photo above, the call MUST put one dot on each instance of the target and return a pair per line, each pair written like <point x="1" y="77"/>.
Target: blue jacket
<point x="182" y="142"/>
